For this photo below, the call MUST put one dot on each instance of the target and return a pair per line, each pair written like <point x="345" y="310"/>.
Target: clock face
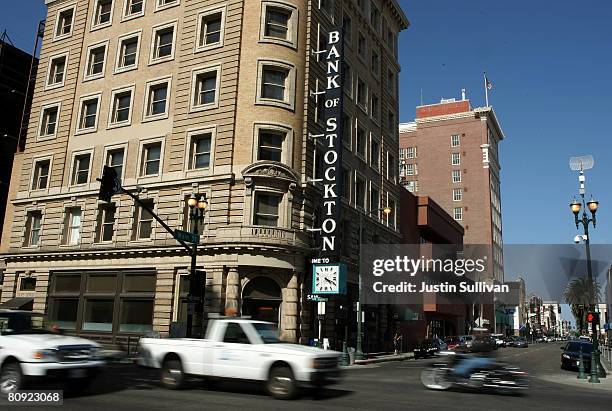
<point x="327" y="279"/>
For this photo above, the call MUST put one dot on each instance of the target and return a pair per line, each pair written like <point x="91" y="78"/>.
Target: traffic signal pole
<point x="110" y="185"/>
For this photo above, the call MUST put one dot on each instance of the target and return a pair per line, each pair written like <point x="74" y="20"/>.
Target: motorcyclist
<point x="467" y="362"/>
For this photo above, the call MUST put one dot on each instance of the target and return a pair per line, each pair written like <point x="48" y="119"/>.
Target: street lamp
<point x="585" y="220"/>
<point x="197" y="206"/>
<point x="358" y="350"/>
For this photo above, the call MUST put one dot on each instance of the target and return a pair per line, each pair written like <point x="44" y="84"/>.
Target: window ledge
<point x="208" y="47"/>
<point x="160" y="60"/>
<point x="273" y="40"/>
<point x="93" y="77"/>
<point x="100" y="26"/>
<point x="155" y="117"/>
<point x="54" y="86"/>
<point x="86" y="131"/>
<point x="45" y="138"/>
<point x="132" y="16"/>
<point x="111" y="126"/>
<point x="204" y="107"/>
<point x="274" y="103"/>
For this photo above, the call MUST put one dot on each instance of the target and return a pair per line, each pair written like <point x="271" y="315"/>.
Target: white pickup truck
<point x="28" y="352"/>
<point x="244" y="349"/>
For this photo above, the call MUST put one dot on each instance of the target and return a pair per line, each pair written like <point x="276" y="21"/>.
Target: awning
<point x="18" y="303"/>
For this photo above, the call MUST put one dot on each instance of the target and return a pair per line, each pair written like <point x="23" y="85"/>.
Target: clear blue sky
<point x="551" y="64"/>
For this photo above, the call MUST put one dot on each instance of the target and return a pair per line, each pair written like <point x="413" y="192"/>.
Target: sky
<point x="549" y="62"/>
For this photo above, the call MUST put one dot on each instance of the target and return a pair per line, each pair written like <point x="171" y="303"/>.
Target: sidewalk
<point x="569" y="378"/>
<point x="383" y="357"/>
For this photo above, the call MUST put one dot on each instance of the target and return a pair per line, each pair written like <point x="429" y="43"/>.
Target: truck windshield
<point x="267" y="332"/>
<point x="12" y="323"/>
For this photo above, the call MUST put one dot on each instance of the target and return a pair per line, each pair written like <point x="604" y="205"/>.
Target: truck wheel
<point x="172" y="376"/>
<point x="11" y="378"/>
<point x="281" y="383"/>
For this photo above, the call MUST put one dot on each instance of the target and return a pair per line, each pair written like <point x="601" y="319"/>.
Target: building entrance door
<point x="261" y="299"/>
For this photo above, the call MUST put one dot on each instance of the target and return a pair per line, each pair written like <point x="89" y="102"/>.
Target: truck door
<point x="232" y="355"/>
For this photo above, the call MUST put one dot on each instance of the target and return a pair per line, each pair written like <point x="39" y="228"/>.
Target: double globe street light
<point x="197" y="207"/>
<point x="576" y="206"/>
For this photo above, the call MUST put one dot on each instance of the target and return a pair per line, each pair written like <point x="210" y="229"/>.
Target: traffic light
<point x="593" y="317"/>
<point x="109" y="184"/>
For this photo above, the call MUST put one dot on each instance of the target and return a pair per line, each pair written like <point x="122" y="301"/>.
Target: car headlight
<point x="567" y="357"/>
<point x="45" y="355"/>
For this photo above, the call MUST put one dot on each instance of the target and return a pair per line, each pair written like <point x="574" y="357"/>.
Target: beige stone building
<point x="215" y="97"/>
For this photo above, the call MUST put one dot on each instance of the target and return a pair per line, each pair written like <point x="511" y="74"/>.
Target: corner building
<point x="209" y="97"/>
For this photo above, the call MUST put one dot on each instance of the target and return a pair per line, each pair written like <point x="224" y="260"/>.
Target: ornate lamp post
<point x="197" y="206"/>
<point x="585" y="220"/>
<point x="358" y="349"/>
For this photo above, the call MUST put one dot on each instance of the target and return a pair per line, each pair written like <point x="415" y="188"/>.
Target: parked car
<point x="452" y="342"/>
<point x="429" y="347"/>
<point x="520" y="342"/>
<point x="473" y="343"/>
<point x="491" y="341"/>
<point x="241" y="349"/>
<point x="571" y="354"/>
<point x="29" y="352"/>
<point x="510" y="341"/>
<point x="499" y="339"/>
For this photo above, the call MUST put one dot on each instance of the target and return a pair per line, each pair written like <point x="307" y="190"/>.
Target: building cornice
<point x="400" y="15"/>
<point x="408" y="127"/>
<point x="488" y="111"/>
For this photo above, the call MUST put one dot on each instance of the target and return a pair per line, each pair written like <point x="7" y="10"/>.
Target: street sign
<point x="316" y="298"/>
<point x="187" y="236"/>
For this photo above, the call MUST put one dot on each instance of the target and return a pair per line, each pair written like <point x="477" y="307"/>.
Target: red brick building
<point x="450" y="154"/>
<point x="424" y="222"/>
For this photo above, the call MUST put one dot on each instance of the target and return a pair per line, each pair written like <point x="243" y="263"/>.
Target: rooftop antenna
<point x="581" y="163"/>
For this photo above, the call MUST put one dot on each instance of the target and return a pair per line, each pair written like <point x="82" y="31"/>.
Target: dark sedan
<point x="520" y="342"/>
<point x="429" y="348"/>
<point x="571" y="354"/>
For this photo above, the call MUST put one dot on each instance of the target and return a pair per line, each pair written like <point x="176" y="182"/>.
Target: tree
<point x="578" y="295"/>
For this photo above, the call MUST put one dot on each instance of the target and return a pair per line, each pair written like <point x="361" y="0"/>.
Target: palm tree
<point x="578" y="295"/>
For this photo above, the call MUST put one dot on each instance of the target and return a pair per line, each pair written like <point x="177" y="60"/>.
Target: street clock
<point x="329" y="279"/>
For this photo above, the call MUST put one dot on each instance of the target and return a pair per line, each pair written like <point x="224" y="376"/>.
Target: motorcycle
<point x="498" y="377"/>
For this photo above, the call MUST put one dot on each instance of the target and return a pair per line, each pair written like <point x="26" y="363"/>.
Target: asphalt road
<point x="388" y="386"/>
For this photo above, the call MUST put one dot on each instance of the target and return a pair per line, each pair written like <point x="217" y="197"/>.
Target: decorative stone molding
<point x="270" y="169"/>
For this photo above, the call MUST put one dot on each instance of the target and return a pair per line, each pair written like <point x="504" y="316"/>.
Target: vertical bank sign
<point x="328" y="274"/>
<point x="332" y="176"/>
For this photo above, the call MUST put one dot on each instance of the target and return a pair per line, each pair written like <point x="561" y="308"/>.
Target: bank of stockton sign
<point x="332" y="175"/>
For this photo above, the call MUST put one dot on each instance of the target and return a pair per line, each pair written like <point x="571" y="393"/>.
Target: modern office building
<point x="217" y="97"/>
<point x="450" y="153"/>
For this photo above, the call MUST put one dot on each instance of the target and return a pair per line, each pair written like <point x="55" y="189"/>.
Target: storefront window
<point x="98" y="315"/>
<point x="139" y="283"/>
<point x="111" y="302"/>
<point x="102" y="283"/>
<point x="136" y="316"/>
<point x="67" y="283"/>
<point x="64" y="312"/>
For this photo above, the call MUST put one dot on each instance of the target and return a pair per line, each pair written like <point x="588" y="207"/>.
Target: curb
<point x="384" y="359"/>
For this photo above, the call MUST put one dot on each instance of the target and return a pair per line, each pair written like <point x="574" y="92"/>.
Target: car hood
<point x="297" y="349"/>
<point x="576" y="354"/>
<point x="45" y="341"/>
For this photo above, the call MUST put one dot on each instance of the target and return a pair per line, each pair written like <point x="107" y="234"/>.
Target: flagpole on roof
<point x="486" y="88"/>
